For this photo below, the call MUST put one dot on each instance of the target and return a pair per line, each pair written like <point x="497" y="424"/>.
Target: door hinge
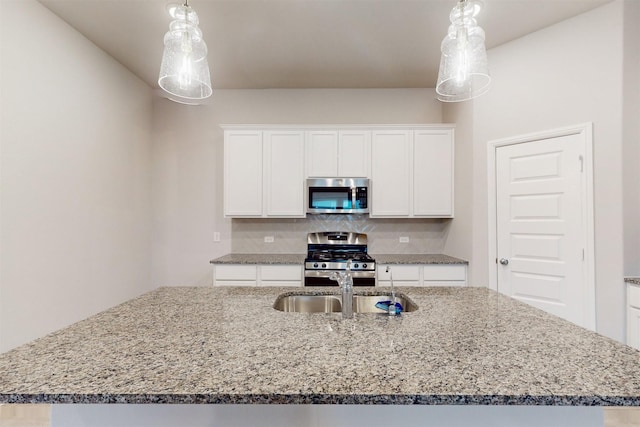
<point x="581" y="160"/>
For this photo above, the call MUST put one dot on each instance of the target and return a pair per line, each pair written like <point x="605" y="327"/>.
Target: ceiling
<point x="256" y="44"/>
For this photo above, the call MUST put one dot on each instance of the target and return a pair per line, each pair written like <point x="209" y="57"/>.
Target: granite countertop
<point x="228" y="345"/>
<point x="260" y="259"/>
<point x="237" y="258"/>
<point x="632" y="280"/>
<point x="417" y="259"/>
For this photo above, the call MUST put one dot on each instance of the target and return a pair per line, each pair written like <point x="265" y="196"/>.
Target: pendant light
<point x="184" y="72"/>
<point x="464" y="73"/>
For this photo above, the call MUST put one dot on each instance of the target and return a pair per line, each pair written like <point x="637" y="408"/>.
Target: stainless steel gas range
<point x="330" y="251"/>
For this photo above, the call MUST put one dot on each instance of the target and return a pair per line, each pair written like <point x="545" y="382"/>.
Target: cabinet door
<point x="633" y="316"/>
<point x="322" y="154"/>
<point x="633" y="327"/>
<point x="444" y="275"/>
<point x="234" y="275"/>
<point x="242" y="173"/>
<point x="281" y="275"/>
<point x="390" y="173"/>
<point x="354" y="154"/>
<point x="433" y="173"/>
<point x="284" y="173"/>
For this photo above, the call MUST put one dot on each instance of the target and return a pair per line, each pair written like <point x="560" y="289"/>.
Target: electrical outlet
<point x="216" y="236"/>
<point x="268" y="239"/>
<point x="404" y="239"/>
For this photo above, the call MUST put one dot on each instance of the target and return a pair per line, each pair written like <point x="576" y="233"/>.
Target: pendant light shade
<point x="184" y="72"/>
<point x="464" y="72"/>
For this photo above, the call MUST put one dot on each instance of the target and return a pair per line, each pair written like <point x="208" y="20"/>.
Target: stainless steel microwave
<point x="337" y="195"/>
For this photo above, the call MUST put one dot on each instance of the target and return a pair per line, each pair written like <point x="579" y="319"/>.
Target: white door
<point x="540" y="225"/>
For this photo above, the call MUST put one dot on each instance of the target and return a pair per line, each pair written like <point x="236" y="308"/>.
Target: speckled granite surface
<point x="417" y="259"/>
<point x="632" y="280"/>
<point x="236" y="258"/>
<point x="260" y="259"/>
<point x="228" y="345"/>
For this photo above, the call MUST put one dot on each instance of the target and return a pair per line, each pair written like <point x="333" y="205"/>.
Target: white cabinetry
<point x="403" y="275"/>
<point x="243" y="173"/>
<point x="433" y="173"/>
<point x="633" y="316"/>
<point x="264" y="173"/>
<point x="257" y="275"/>
<point x="412" y="173"/>
<point x="390" y="173"/>
<point x="422" y="275"/>
<point x="410" y="167"/>
<point x="338" y="153"/>
<point x="284" y="173"/>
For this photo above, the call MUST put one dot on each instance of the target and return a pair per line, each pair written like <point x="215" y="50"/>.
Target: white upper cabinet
<point x="243" y="173"/>
<point x="433" y="173"/>
<point x="412" y="173"/>
<point x="263" y="173"/>
<point x="390" y="186"/>
<point x="410" y="167"/>
<point x="338" y="153"/>
<point x="322" y="154"/>
<point x="284" y="173"/>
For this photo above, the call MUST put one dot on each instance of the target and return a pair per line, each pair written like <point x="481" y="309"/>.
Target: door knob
<point x="504" y="261"/>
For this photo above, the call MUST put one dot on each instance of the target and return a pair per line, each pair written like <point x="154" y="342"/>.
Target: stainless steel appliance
<point x="337" y="195"/>
<point x="329" y="252"/>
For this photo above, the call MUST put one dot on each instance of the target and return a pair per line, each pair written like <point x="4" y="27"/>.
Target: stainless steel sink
<point x="305" y="303"/>
<point x="309" y="303"/>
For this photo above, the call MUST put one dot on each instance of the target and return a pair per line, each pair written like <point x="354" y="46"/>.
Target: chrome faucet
<point x="392" y="304"/>
<point x="345" y="281"/>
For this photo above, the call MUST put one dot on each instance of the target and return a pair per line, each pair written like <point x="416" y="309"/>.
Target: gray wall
<point x="188" y="163"/>
<point x="75" y="168"/>
<point x="548" y="80"/>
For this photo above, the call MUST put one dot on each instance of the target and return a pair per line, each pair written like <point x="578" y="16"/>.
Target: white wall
<point x="459" y="241"/>
<point x="566" y="74"/>
<point x="631" y="137"/>
<point x="187" y="172"/>
<point x="75" y="174"/>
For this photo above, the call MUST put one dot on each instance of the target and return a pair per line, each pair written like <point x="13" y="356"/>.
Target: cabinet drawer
<point x="236" y="272"/>
<point x="281" y="272"/>
<point x="400" y="272"/>
<point x="633" y="294"/>
<point x="445" y="272"/>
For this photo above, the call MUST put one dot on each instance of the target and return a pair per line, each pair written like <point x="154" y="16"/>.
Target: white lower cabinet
<point x="257" y="275"/>
<point x="633" y="316"/>
<point x="422" y="275"/>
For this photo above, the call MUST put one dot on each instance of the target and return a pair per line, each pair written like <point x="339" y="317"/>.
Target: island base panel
<point x="96" y="415"/>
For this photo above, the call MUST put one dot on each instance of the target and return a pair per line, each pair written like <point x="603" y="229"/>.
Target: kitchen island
<point x="190" y="345"/>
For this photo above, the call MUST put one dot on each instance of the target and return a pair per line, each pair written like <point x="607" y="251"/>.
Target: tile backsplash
<point x="290" y="235"/>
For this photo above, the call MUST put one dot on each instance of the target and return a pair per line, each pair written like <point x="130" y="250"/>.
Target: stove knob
<point x="364" y="265"/>
<point x="324" y="265"/>
<point x="315" y="265"/>
<point x="356" y="265"/>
